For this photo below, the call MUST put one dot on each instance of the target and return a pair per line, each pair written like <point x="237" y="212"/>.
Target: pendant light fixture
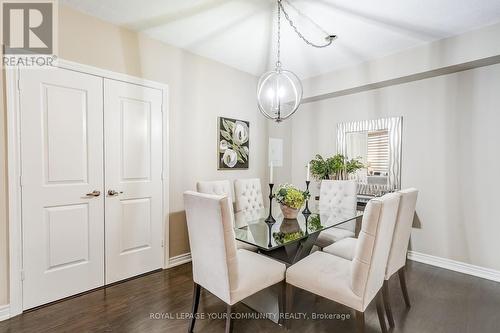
<point x="279" y="92"/>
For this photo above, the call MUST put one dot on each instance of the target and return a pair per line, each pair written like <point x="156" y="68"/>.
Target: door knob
<point x="94" y="193"/>
<point x="113" y="193"/>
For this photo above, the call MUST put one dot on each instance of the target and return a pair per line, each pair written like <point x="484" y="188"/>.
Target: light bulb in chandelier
<point x="279" y="94"/>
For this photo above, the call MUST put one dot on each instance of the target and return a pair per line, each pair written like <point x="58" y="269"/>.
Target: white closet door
<point x="62" y="161"/>
<point x="133" y="167"/>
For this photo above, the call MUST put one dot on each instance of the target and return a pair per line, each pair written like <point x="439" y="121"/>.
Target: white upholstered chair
<point x="217" y="187"/>
<point x="249" y="201"/>
<point x="337" y="198"/>
<point x="224" y="187"/>
<point x="352" y="283"/>
<point x="399" y="247"/>
<point x="218" y="266"/>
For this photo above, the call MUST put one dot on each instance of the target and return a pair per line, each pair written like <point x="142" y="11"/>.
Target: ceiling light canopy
<point x="279" y="92"/>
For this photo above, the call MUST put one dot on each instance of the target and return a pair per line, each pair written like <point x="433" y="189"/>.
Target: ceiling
<point x="241" y="33"/>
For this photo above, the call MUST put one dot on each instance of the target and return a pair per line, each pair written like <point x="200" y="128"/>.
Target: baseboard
<point x="457" y="266"/>
<point x="4" y="312"/>
<point x="179" y="260"/>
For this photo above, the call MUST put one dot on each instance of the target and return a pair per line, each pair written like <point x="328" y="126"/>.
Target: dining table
<point x="288" y="241"/>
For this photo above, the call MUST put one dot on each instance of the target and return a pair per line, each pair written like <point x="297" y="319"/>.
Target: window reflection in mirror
<point x="372" y="149"/>
<point x="377" y="143"/>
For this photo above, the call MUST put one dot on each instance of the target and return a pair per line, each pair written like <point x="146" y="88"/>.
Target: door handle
<point x="113" y="193"/>
<point x="94" y="193"/>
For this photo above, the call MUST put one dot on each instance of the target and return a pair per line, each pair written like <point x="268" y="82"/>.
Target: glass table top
<point x="285" y="231"/>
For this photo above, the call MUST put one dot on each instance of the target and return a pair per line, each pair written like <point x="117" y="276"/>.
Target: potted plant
<point x="319" y="168"/>
<point x="337" y="167"/>
<point x="353" y="165"/>
<point x="290" y="199"/>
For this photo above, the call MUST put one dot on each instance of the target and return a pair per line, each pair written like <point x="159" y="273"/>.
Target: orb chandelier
<point x="279" y="92"/>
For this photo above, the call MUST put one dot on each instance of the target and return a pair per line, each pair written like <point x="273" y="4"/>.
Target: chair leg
<point x="281" y="302"/>
<point x="402" y="282"/>
<point x="229" y="321"/>
<point x="380" y="312"/>
<point x="290" y="291"/>
<point x="387" y="303"/>
<point x="360" y="321"/>
<point x="194" y="310"/>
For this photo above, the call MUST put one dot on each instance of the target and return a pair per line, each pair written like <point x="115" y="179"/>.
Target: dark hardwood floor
<point x="442" y="301"/>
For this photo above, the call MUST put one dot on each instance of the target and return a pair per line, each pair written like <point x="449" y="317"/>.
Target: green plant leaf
<point x="353" y="165"/>
<point x="337" y="166"/>
<point x="244" y="157"/>
<point x="226" y="135"/>
<point x="228" y="125"/>
<point x="224" y="124"/>
<point x="242" y="151"/>
<point x="290" y="196"/>
<point x="240" y="157"/>
<point x="319" y="168"/>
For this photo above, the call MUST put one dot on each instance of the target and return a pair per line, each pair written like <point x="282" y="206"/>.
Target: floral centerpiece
<point x="290" y="199"/>
<point x="283" y="237"/>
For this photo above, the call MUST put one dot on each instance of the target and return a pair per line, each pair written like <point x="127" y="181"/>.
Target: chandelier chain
<point x="280" y="92"/>
<point x="329" y="38"/>
<point x="300" y="13"/>
<point x="278" y="62"/>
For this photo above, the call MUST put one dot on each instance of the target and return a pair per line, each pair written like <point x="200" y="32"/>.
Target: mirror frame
<point x="394" y="125"/>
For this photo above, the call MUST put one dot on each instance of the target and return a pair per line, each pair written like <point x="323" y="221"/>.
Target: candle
<point x="308" y="171"/>
<point x="271" y="173"/>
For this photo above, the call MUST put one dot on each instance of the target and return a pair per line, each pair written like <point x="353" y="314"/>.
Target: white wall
<point x="200" y="91"/>
<point x="282" y="131"/>
<point x="476" y="46"/>
<point x="451" y="135"/>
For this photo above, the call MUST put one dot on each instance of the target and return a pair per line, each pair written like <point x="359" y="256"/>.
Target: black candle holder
<point x="269" y="225"/>
<point x="270" y="219"/>
<point x="306" y="210"/>
<point x="306" y="217"/>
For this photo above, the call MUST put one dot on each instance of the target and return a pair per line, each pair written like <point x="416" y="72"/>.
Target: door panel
<point x="136" y="140"/>
<point x="133" y="167"/>
<point x="136" y="224"/>
<point x="62" y="154"/>
<point x="65" y="134"/>
<point x="68" y="235"/>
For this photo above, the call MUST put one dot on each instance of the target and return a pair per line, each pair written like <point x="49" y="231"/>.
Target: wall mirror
<point x="377" y="144"/>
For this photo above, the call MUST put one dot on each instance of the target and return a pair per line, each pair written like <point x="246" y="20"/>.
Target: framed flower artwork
<point x="233" y="143"/>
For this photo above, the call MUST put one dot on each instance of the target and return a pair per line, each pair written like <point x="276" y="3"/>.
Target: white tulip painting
<point x="233" y="143"/>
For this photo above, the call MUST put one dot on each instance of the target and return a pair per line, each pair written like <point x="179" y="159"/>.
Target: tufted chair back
<point x="217" y="187"/>
<point x="373" y="245"/>
<point x="402" y="231"/>
<point x="339" y="198"/>
<point x="249" y="202"/>
<point x="212" y="242"/>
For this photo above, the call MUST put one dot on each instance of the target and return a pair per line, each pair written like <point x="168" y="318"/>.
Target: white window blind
<point x="378" y="151"/>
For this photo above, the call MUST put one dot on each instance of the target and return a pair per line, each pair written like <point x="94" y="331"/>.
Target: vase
<point x="289" y="226"/>
<point x="288" y="212"/>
